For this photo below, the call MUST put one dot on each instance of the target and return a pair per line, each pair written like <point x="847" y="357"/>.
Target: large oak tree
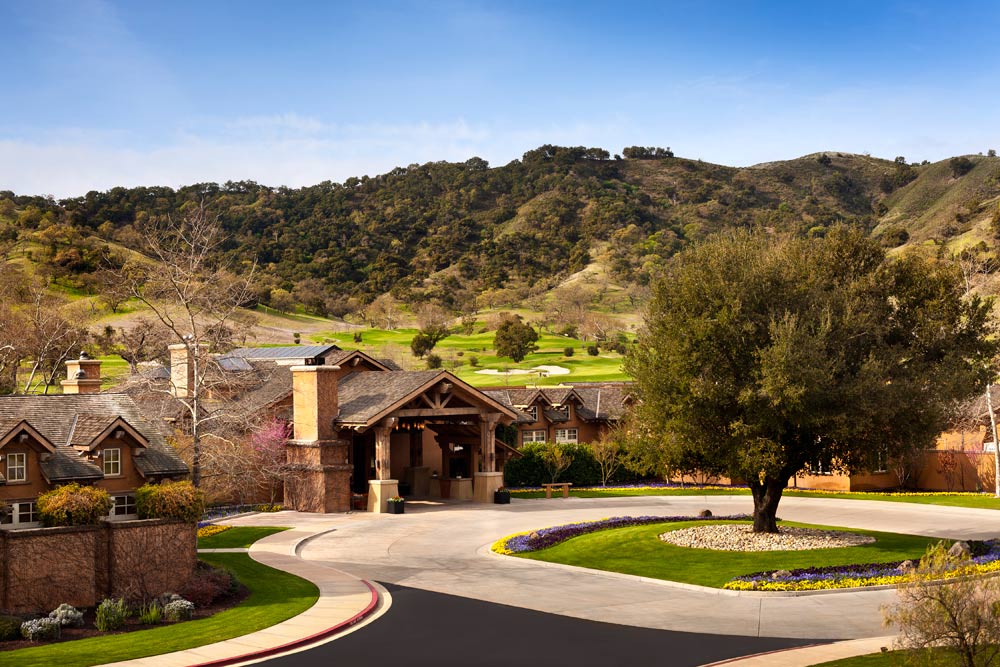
<point x="761" y="355"/>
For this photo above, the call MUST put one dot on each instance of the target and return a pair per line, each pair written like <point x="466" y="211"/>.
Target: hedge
<point x="170" y="500"/>
<point x="74" y="505"/>
<point x="529" y="468"/>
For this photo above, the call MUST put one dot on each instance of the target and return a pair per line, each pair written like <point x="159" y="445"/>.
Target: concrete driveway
<point x="444" y="548"/>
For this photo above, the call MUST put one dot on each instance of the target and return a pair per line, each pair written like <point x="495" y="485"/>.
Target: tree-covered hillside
<point x="449" y="232"/>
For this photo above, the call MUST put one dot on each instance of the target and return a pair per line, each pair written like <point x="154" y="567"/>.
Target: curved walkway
<point x="344" y="601"/>
<point x="441" y="547"/>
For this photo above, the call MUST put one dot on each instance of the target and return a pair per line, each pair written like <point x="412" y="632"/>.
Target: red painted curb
<point x="730" y="661"/>
<point x="305" y="641"/>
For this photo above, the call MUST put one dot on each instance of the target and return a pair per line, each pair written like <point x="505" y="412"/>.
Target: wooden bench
<point x="565" y="488"/>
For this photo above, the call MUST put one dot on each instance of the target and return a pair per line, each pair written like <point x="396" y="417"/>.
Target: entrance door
<point x="363" y="457"/>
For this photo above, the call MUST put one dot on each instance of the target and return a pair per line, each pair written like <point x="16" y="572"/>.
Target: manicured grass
<point x="605" y="367"/>
<point x="638" y="550"/>
<point x="977" y="501"/>
<point x="275" y="596"/>
<point x="238" y="537"/>
<point x="935" y="658"/>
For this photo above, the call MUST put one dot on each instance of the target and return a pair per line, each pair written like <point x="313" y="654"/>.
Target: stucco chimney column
<point x="182" y="380"/>
<point x="314" y="402"/>
<point x="83" y="376"/>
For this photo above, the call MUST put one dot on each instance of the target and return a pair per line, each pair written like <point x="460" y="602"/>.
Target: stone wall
<point x="41" y="568"/>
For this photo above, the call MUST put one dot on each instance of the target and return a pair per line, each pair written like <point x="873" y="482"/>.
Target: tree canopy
<point x="762" y="355"/>
<point x="515" y="339"/>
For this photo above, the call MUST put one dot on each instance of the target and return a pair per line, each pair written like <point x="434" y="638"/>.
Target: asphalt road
<point x="427" y="628"/>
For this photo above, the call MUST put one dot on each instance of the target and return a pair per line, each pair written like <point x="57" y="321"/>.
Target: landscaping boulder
<point x="705" y="514"/>
<point x="780" y="574"/>
<point x="906" y="567"/>
<point x="959" y="550"/>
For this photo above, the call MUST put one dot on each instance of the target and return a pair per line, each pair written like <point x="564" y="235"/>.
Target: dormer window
<point x="17" y="467"/>
<point x="112" y="459"/>
<point x="533" y="411"/>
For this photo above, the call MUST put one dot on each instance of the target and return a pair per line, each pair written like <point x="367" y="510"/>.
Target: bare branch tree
<point x="195" y="294"/>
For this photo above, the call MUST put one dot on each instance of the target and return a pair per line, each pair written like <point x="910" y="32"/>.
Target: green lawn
<point x="239" y="537"/>
<point x="894" y="659"/>
<point x="274" y="597"/>
<point x="638" y="550"/>
<point x="457" y="351"/>
<point x="979" y="501"/>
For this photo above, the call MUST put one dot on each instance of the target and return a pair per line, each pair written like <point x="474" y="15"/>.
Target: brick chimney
<point x="314" y="402"/>
<point x="83" y="376"/>
<point x="182" y="370"/>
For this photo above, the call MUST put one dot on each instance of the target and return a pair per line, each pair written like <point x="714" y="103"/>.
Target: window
<point x="17" y="467"/>
<point x="566" y="435"/>
<point x="112" y="462"/>
<point x="533" y="411"/>
<point x="21" y="515"/>
<point x="123" y="505"/>
<point x="533" y="436"/>
<point x="881" y="459"/>
<point x="823" y="466"/>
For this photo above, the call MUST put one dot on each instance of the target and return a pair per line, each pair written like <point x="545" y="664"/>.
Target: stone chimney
<point x="182" y="370"/>
<point x="314" y="402"/>
<point x="83" y="376"/>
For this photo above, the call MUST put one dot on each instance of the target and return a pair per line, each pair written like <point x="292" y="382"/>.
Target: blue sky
<point x="97" y="93"/>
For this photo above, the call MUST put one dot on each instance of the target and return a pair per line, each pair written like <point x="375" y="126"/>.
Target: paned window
<point x="533" y="436"/>
<point x="533" y="411"/>
<point x="566" y="435"/>
<point x="124" y="505"/>
<point x="17" y="467"/>
<point x="112" y="462"/>
<point x="21" y="515"/>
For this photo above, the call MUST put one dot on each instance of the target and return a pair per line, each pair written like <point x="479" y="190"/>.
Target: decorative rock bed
<point x="740" y="537"/>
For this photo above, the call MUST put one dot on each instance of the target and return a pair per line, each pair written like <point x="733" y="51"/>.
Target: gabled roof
<point x="55" y="417"/>
<point x="89" y="430"/>
<point x="283" y="353"/>
<point x="11" y="428"/>
<point x="597" y="401"/>
<point x="364" y="398"/>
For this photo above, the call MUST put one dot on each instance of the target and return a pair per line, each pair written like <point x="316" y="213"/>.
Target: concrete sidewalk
<point x="811" y="655"/>
<point x="344" y="601"/>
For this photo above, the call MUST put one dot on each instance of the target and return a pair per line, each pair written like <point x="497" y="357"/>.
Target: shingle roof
<point x="88" y="427"/>
<point x="55" y="418"/>
<point x="289" y="352"/>
<point x="362" y="396"/>
<point x="598" y="401"/>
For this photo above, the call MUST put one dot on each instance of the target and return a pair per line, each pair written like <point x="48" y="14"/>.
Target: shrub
<point x="10" y="628"/>
<point x="111" y="615"/>
<point x="529" y="468"/>
<point x="593" y="350"/>
<point x="67" y="615"/>
<point x="170" y="500"/>
<point x="208" y="584"/>
<point x="151" y="614"/>
<point x="568" y="352"/>
<point x="473" y="360"/>
<point x="960" y="166"/>
<point x="433" y="361"/>
<point x="73" y="505"/>
<point x="178" y="610"/>
<point x="41" y="629"/>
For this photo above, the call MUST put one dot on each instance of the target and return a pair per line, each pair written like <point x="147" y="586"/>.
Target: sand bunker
<point x="537" y="370"/>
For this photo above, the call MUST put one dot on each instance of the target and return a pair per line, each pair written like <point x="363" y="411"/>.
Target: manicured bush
<point x="41" y="629"/>
<point x="178" y="610"/>
<point x="73" y="505"/>
<point x="170" y="500"/>
<point x="111" y="615"/>
<point x="593" y="350"/>
<point x="67" y="615"/>
<point x="473" y="360"/>
<point x="568" y="352"/>
<point x="433" y="361"/>
<point x="10" y="628"/>
<point x="208" y="584"/>
<point x="529" y="469"/>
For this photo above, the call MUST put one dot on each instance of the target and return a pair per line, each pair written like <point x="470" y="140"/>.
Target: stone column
<point x="489" y="480"/>
<point x="382" y="488"/>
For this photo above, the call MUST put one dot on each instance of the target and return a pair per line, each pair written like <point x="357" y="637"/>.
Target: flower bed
<point x="211" y="529"/>
<point x="857" y="576"/>
<point x="533" y="540"/>
<point x="656" y="486"/>
<point x="649" y="486"/>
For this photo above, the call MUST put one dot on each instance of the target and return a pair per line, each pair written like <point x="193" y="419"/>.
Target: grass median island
<point x="638" y="550"/>
<point x="930" y="658"/>
<point x="950" y="499"/>
<point x="238" y="537"/>
<point x="275" y="596"/>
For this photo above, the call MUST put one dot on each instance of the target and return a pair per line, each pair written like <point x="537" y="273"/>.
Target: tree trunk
<point x="765" y="505"/>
